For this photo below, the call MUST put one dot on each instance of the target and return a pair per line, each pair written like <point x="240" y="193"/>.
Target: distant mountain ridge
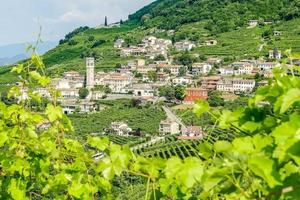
<point x="12" y="53"/>
<point x="12" y="60"/>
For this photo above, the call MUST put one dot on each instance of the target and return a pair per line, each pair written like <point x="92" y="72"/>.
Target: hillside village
<point x="153" y="68"/>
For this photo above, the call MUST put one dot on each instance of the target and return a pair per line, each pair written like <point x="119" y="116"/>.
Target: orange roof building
<point x="193" y="94"/>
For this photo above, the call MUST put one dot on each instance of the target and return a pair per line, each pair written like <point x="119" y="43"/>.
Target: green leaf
<point x="291" y="97"/>
<point x="205" y="149"/>
<point x="98" y="143"/>
<point x="35" y="75"/>
<point x="222" y="146"/>
<point x="18" y="69"/>
<point x="44" y="81"/>
<point x="173" y="165"/>
<point x="16" y="192"/>
<point x="3" y="138"/>
<point x="260" y="142"/>
<point x="191" y="172"/>
<point x="263" y="167"/>
<point x="53" y="113"/>
<point x="225" y="119"/>
<point x="243" y="145"/>
<point x="212" y="178"/>
<point x="288" y="169"/>
<point x="201" y="107"/>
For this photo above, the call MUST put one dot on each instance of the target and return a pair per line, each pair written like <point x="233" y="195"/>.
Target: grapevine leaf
<point x="222" y="146"/>
<point x="53" y="113"/>
<point x="3" y="138"/>
<point x="212" y="177"/>
<point x="243" y="145"/>
<point x="15" y="191"/>
<point x="18" y="69"/>
<point x="260" y="142"/>
<point x="173" y="165"/>
<point x="291" y="97"/>
<point x="98" y="143"/>
<point x="263" y="167"/>
<point x="191" y="172"/>
<point x="201" y="107"/>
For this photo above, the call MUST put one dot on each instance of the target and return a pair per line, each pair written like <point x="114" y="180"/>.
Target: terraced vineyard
<point x="171" y="146"/>
<point x="122" y="140"/>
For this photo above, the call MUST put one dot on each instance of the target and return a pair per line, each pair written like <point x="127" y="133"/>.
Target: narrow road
<point x="171" y="116"/>
<point x="174" y="117"/>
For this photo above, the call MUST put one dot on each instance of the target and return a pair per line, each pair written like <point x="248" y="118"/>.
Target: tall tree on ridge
<point x="105" y="22"/>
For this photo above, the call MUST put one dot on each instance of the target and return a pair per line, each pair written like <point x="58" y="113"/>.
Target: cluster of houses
<point x="142" y="80"/>
<point x="171" y="127"/>
<point x="249" y="67"/>
<point x="150" y="47"/>
<point x="135" y="79"/>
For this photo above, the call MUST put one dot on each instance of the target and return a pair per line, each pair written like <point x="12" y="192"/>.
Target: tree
<point x="167" y="91"/>
<point x="135" y="103"/>
<point x="105" y="21"/>
<point x="98" y="43"/>
<point x="182" y="71"/>
<point x="91" y="38"/>
<point x="215" y="99"/>
<point x="160" y="57"/>
<point x="118" y="66"/>
<point x="179" y="92"/>
<point x="185" y="59"/>
<point x="72" y="42"/>
<point x="137" y="74"/>
<point x="107" y="89"/>
<point x="152" y="75"/>
<point x="83" y="93"/>
<point x="167" y="71"/>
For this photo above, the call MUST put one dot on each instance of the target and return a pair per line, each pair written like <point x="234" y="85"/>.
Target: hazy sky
<point x="20" y="19"/>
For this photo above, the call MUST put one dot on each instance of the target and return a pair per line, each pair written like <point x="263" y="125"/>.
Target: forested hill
<point x="220" y="15"/>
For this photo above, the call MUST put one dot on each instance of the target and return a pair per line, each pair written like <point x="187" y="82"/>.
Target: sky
<point x="21" y="19"/>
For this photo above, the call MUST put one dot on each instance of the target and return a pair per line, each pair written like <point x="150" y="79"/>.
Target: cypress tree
<point x="105" y="22"/>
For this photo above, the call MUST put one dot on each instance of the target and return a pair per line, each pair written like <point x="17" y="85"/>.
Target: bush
<point x="72" y="42"/>
<point x="83" y="93"/>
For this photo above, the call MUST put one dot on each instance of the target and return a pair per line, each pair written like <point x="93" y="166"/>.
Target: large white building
<point x="235" y="85"/>
<point x="266" y="66"/>
<point x="141" y="90"/>
<point x="169" y="127"/>
<point x="118" y="82"/>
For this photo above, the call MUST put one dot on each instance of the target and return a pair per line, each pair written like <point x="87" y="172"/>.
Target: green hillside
<point x="224" y="21"/>
<point x="220" y="16"/>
